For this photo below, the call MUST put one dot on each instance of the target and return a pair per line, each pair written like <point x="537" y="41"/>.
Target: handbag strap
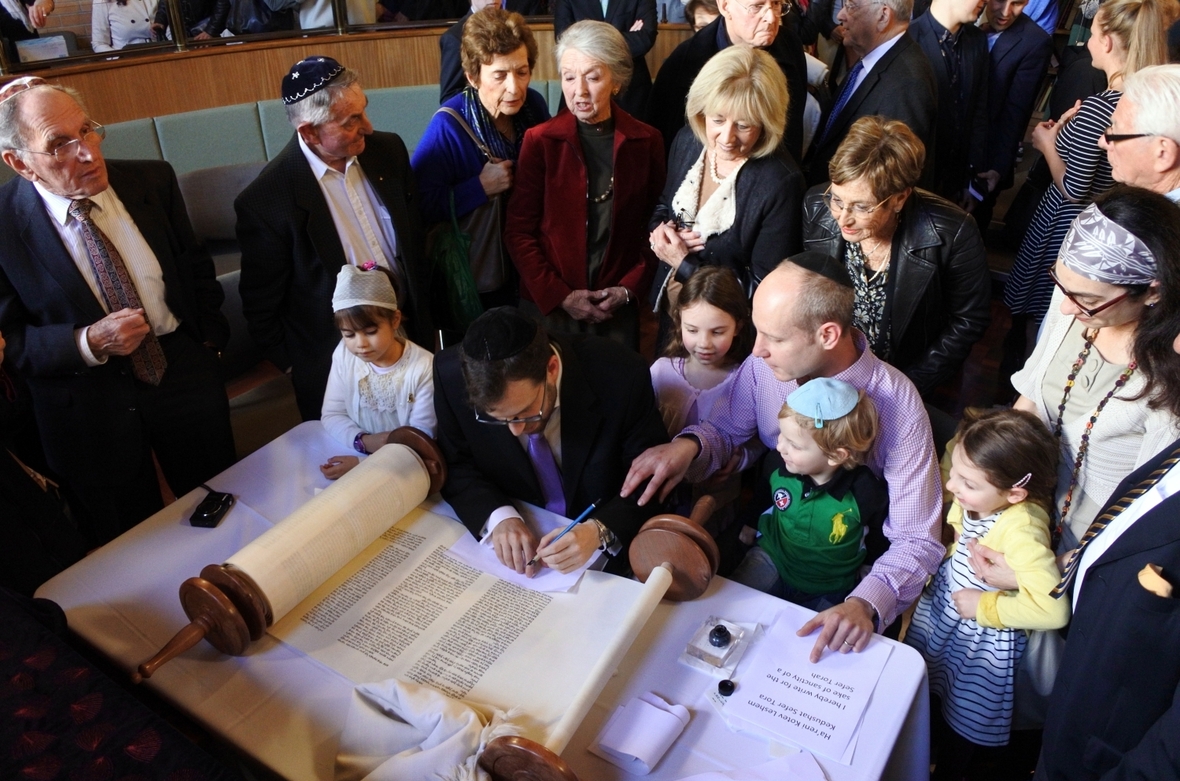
<point x="463" y="124"/>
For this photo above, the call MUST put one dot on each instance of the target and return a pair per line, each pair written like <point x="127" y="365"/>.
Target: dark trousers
<point x="186" y="421"/>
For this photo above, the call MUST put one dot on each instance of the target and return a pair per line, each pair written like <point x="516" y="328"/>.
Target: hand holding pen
<point x="569" y="548"/>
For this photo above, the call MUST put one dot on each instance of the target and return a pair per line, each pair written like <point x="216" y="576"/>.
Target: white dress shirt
<point x="1168" y="485"/>
<point x="144" y="269"/>
<point x="361" y="219"/>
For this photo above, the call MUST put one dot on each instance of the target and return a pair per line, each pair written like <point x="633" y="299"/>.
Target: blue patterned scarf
<point x="481" y="122"/>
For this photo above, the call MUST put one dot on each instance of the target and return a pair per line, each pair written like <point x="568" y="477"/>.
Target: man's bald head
<point x="47" y="137"/>
<point x="801" y="316"/>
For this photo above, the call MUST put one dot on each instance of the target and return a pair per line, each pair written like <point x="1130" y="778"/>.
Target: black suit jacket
<point x="87" y="414"/>
<point x="900" y="86"/>
<point x="291" y="254"/>
<point x="938" y="301"/>
<point x="1019" y="61"/>
<point x="766" y="228"/>
<point x="678" y="72"/>
<point x="608" y="417"/>
<point x="1115" y="708"/>
<point x="960" y="130"/>
<point x="451" y="79"/>
<point x="620" y="14"/>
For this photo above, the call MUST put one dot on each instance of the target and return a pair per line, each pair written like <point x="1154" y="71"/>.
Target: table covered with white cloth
<point x="286" y="710"/>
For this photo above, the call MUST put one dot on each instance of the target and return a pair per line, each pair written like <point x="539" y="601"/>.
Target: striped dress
<point x="972" y="668"/>
<point x="1087" y="174"/>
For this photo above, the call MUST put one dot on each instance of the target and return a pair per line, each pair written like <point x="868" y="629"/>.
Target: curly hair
<point x="492" y="32"/>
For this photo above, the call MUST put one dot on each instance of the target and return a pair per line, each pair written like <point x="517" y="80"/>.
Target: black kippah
<point x="823" y="264"/>
<point x="498" y="334"/>
<point x="309" y="76"/>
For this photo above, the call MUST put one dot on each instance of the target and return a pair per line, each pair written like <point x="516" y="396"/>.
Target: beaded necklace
<point x="1084" y="445"/>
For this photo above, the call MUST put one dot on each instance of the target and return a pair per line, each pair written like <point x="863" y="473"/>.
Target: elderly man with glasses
<point x="888" y="75"/>
<point x="111" y="310"/>
<point x="765" y="24"/>
<point x="553" y="420"/>
<point x="1143" y="140"/>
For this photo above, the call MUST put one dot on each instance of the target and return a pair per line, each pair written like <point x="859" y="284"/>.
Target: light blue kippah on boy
<point x="824" y="399"/>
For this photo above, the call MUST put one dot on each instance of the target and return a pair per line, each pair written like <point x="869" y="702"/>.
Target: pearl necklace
<point x="713" y="170"/>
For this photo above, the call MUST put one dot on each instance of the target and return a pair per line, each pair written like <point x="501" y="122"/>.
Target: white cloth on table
<point x="361" y="398"/>
<point x="639" y="733"/>
<point x="396" y="730"/>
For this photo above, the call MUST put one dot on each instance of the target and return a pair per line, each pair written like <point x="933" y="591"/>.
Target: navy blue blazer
<point x="1018" y="63"/>
<point x="1115" y="709"/>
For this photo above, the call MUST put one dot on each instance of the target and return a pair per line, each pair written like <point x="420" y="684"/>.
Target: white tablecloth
<point x="286" y="710"/>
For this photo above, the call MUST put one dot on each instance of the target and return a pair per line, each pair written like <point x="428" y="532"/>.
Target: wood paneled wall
<point x="155" y="85"/>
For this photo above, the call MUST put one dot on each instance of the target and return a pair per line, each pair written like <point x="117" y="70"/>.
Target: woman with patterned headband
<point x="1093" y="377"/>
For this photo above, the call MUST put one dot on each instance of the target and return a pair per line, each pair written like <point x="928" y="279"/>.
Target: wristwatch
<point x="607" y="541"/>
<point x="358" y="444"/>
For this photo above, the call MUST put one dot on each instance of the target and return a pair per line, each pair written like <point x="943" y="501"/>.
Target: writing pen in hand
<point x="585" y="514"/>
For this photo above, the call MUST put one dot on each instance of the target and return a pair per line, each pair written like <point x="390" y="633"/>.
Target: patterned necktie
<point x="1102" y="521"/>
<point x="545" y="466"/>
<point x="147" y="362"/>
<point x="845" y="93"/>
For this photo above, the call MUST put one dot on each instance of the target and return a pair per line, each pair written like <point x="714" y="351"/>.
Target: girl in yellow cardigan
<point x="1003" y="475"/>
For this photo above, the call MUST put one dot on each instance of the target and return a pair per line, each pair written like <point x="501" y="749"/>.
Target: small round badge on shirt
<point x="782" y="499"/>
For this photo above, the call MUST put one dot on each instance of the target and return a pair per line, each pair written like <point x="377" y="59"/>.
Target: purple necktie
<point x="545" y="467"/>
<point x="147" y="362"/>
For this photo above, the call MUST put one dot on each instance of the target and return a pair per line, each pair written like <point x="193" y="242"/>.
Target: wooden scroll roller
<point x="520" y="759"/>
<point x="232" y="604"/>
<point x="682" y="544"/>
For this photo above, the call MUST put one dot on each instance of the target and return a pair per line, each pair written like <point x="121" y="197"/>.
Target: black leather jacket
<point x="939" y="300"/>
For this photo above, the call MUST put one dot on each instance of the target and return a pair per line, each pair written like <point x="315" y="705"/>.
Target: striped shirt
<point x="903" y="455"/>
<point x="112" y="218"/>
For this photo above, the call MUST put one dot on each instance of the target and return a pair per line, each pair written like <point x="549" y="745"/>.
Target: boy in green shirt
<point x="811" y="542"/>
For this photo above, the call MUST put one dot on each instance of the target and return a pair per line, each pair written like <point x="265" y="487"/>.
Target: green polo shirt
<point x="814" y="533"/>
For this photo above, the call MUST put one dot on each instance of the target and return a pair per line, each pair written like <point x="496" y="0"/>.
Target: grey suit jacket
<point x="900" y="86"/>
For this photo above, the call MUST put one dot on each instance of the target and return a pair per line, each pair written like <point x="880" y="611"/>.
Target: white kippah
<point x="356" y="287"/>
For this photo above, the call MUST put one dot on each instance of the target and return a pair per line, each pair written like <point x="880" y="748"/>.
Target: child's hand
<point x="967" y="601"/>
<point x="338" y="466"/>
<point x="748" y="535"/>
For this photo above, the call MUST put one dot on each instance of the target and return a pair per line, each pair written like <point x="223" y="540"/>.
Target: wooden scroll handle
<point x="520" y="759"/>
<point x="683" y="546"/>
<point x="427" y="449"/>
<point x="214" y="617"/>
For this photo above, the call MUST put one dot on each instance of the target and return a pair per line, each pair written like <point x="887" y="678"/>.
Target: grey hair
<point x="902" y="9"/>
<point x="316" y="108"/>
<point x="11" y="126"/>
<point x="599" y="41"/>
<point x="1155" y="92"/>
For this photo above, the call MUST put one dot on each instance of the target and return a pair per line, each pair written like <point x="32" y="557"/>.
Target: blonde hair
<point x="883" y="151"/>
<point x="1141" y="26"/>
<point x="746" y="83"/>
<point x="853" y="433"/>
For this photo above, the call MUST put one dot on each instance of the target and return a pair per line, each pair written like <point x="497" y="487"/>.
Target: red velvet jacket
<point x="546" y="227"/>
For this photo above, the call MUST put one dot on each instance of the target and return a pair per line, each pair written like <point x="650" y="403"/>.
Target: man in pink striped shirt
<point x="803" y="313"/>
